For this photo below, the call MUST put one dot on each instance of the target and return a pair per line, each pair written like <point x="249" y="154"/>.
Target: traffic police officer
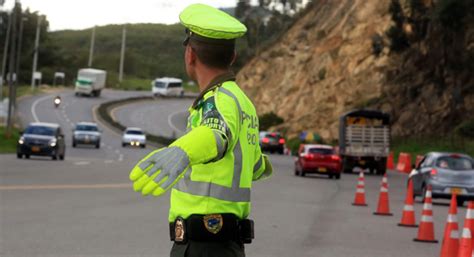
<point x="211" y="168"/>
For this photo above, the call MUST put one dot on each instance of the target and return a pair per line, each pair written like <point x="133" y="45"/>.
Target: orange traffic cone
<point x="469" y="220"/>
<point x="383" y="207"/>
<point x="426" y="229"/>
<point x="450" y="245"/>
<point x="390" y="163"/>
<point x="408" y="215"/>
<point x="465" y="244"/>
<point x="359" y="199"/>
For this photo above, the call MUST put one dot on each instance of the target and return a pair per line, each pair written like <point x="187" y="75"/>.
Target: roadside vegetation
<point x="421" y="146"/>
<point x="8" y="145"/>
<point x="22" y="90"/>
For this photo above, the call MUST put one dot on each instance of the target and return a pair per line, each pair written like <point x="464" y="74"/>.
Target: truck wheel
<point x="19" y="155"/>
<point x="338" y="176"/>
<point x="97" y="93"/>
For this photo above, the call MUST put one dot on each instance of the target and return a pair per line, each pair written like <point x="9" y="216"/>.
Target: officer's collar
<point x="216" y="82"/>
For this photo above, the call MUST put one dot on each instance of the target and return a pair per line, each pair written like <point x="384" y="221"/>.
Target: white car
<point x="167" y="87"/>
<point x="134" y="137"/>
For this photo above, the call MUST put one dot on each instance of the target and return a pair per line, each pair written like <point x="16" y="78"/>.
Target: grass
<point x="22" y="90"/>
<point x="421" y="146"/>
<point x="8" y="145"/>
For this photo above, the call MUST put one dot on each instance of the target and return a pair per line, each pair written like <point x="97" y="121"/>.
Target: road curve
<point x="83" y="207"/>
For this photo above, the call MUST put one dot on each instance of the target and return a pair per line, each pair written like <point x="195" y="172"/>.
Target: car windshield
<point x="86" y="128"/>
<point x="134" y="132"/>
<point x="159" y="84"/>
<point x="455" y="163"/>
<point x="323" y="151"/>
<point x="272" y="135"/>
<point x="40" y="130"/>
<point x="84" y="82"/>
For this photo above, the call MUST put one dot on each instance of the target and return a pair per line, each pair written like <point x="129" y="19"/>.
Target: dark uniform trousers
<point x="208" y="249"/>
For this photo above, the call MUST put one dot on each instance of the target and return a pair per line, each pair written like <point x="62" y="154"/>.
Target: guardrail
<point x="103" y="113"/>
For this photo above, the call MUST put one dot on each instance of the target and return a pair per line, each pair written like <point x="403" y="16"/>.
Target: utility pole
<point x="18" y="56"/>
<point x="91" y="51"/>
<point x="11" y="70"/>
<point x="5" y="54"/>
<point x="122" y="54"/>
<point x="36" y="49"/>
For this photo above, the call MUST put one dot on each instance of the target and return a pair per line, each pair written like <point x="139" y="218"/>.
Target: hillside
<point x="152" y="50"/>
<point x="326" y="64"/>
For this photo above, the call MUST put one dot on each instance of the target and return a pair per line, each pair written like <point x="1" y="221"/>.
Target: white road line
<point x="171" y="123"/>
<point x="120" y="158"/>
<point x="33" y="107"/>
<point x="108" y="161"/>
<point x="82" y="163"/>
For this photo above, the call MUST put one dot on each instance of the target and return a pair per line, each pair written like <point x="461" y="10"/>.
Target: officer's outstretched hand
<point x="159" y="171"/>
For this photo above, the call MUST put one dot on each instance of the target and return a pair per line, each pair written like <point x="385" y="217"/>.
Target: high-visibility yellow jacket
<point x="223" y="184"/>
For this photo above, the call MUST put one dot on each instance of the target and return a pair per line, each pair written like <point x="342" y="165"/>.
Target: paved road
<point x="163" y="116"/>
<point x="84" y="206"/>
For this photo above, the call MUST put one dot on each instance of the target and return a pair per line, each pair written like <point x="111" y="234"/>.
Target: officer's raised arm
<point x="161" y="169"/>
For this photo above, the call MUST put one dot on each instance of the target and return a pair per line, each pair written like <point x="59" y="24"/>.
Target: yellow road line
<point x="50" y="187"/>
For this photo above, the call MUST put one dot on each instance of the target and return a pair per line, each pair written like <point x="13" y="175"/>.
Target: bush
<point x="451" y="13"/>
<point x="293" y="144"/>
<point x="268" y="120"/>
<point x="466" y="129"/>
<point x="398" y="39"/>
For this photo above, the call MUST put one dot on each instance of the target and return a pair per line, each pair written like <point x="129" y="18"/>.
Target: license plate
<point x="456" y="190"/>
<point x="35" y="149"/>
<point x="87" y="140"/>
<point x="361" y="162"/>
<point x="322" y="170"/>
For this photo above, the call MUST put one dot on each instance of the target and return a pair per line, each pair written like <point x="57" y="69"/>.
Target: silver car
<point x="86" y="133"/>
<point x="447" y="173"/>
<point x="134" y="137"/>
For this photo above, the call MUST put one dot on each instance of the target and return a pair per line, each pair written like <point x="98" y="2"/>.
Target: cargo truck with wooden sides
<point x="364" y="140"/>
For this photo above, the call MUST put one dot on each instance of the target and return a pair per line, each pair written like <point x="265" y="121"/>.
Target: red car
<point x="320" y="159"/>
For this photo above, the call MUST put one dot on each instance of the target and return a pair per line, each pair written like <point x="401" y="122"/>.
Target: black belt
<point x="212" y="228"/>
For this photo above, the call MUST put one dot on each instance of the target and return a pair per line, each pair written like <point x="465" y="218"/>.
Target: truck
<point x="90" y="82"/>
<point x="364" y="140"/>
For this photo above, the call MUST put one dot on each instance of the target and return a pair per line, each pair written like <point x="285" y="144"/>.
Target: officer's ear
<point x="190" y="55"/>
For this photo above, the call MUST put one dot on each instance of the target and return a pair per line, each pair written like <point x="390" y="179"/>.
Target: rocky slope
<point x="325" y="65"/>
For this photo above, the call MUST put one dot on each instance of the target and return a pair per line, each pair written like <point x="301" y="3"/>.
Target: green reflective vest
<point x="221" y="186"/>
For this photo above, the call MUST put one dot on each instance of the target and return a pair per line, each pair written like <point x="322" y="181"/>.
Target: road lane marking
<point x="171" y="123"/>
<point x="33" y="107"/>
<point x="120" y="158"/>
<point x="82" y="163"/>
<point x="108" y="161"/>
<point x="72" y="186"/>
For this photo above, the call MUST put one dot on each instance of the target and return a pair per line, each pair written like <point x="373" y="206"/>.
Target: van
<point x="167" y="87"/>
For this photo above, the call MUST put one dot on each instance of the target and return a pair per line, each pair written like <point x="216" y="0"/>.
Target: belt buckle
<point x="179" y="230"/>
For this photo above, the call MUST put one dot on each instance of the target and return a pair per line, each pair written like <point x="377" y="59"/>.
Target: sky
<point x="82" y="14"/>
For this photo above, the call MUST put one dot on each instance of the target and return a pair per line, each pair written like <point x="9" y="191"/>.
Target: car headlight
<point x="21" y="140"/>
<point x="52" y="143"/>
